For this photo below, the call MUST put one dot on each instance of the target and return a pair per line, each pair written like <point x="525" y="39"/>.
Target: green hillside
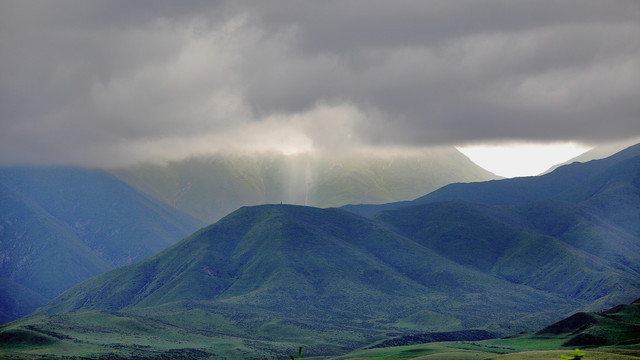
<point x="288" y="273"/>
<point x="552" y="246"/>
<point x="100" y="335"/>
<point x="209" y="188"/>
<point x="105" y="213"/>
<point x="608" y="334"/>
<point x="267" y="278"/>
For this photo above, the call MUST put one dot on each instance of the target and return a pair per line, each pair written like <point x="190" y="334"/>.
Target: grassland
<point x="110" y="335"/>
<point x="100" y="335"/>
<point x="617" y="330"/>
<point x="498" y="349"/>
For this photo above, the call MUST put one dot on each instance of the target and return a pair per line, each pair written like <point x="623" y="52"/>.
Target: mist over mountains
<point x="514" y="191"/>
<point x="210" y="187"/>
<point x="62" y="225"/>
<point x="235" y="179"/>
<point x="285" y="274"/>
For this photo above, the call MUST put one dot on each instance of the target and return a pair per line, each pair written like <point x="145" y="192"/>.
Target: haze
<point x="111" y="83"/>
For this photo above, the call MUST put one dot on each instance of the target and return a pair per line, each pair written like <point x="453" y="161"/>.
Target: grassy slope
<point x="288" y="272"/>
<point x="613" y="334"/>
<point x="92" y="334"/>
<point x="532" y="245"/>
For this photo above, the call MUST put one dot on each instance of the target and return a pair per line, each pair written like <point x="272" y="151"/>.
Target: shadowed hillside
<point x="281" y="271"/>
<point x="60" y="226"/>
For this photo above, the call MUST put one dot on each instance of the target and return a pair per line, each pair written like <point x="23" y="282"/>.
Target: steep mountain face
<point x="513" y="191"/>
<point x="321" y="271"/>
<point x="210" y="187"/>
<point x="60" y="226"/>
<point x="552" y="246"/>
<point x="583" y="243"/>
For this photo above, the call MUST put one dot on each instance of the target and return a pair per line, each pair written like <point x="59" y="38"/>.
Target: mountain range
<point x="514" y="191"/>
<point x="285" y="273"/>
<point x="495" y="257"/>
<point x="60" y="226"/>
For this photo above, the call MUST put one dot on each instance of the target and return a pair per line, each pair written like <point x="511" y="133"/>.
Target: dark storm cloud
<point x="463" y="71"/>
<point x="116" y="81"/>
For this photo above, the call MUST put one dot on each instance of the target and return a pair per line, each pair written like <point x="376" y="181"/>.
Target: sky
<point x="110" y="83"/>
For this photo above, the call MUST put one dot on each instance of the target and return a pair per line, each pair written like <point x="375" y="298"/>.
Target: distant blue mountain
<point x="513" y="191"/>
<point x="60" y="225"/>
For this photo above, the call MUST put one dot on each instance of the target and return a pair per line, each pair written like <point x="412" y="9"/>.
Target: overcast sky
<point x="111" y="82"/>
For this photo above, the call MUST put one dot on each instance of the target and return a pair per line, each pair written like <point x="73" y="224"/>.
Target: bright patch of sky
<point x="521" y="159"/>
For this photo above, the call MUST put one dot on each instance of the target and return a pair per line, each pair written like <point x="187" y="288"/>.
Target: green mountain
<point x="513" y="191"/>
<point x="267" y="278"/>
<point x="584" y="243"/>
<point x="552" y="246"/>
<point x="209" y="188"/>
<point x="289" y="273"/>
<point x="60" y="226"/>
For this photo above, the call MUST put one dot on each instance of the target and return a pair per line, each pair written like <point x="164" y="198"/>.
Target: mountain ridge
<point x="62" y="225"/>
<point x="281" y="274"/>
<point x="514" y="191"/>
<point x="342" y="268"/>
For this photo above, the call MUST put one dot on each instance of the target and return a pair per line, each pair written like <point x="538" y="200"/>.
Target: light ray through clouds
<point x="116" y="82"/>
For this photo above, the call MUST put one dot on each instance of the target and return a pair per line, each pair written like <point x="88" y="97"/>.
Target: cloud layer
<point x="113" y="82"/>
